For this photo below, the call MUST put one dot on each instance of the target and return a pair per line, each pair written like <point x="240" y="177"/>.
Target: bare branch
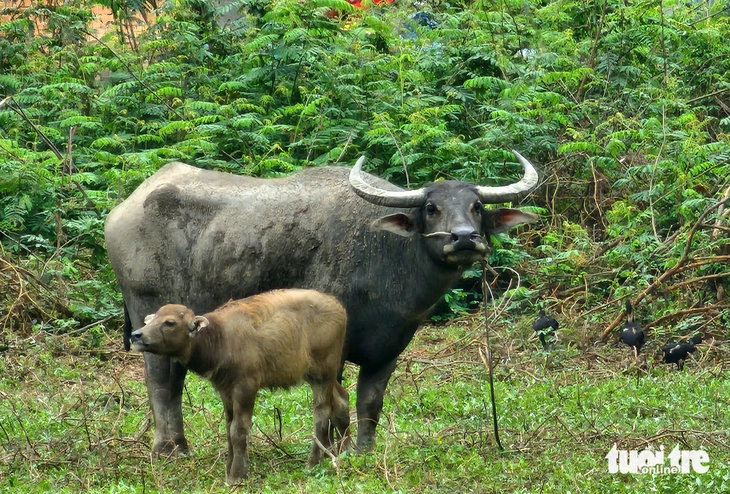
<point x="670" y="272"/>
<point x="681" y="313"/>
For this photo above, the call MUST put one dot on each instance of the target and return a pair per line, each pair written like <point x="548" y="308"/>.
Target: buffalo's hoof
<point x="365" y="446"/>
<point x="171" y="448"/>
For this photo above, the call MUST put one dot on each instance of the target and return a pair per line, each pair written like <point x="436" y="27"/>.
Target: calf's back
<point x="275" y="339"/>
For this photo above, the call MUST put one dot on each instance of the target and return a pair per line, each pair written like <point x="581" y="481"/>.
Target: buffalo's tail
<point x="127" y="328"/>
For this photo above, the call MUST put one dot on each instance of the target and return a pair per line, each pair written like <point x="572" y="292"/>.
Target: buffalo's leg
<point x="238" y="429"/>
<point x="165" y="379"/>
<point x="371" y="384"/>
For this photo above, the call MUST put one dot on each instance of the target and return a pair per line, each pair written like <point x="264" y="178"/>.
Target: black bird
<point x="632" y="334"/>
<point x="677" y="353"/>
<point x="545" y="326"/>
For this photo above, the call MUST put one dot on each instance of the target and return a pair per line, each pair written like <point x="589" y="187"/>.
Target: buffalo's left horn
<point x="512" y="192"/>
<point x="390" y="198"/>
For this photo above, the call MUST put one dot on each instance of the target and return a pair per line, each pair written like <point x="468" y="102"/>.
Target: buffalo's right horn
<point x="389" y="198"/>
<point x="512" y="192"/>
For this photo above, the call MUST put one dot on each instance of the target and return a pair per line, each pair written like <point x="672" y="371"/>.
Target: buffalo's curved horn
<point x="389" y="198"/>
<point x="512" y="192"/>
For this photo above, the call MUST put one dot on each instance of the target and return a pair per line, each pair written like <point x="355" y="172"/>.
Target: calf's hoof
<point x="345" y="444"/>
<point x="315" y="457"/>
<point x="234" y="479"/>
<point x="236" y="474"/>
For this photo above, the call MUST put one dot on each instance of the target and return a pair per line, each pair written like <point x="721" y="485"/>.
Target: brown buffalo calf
<point x="273" y="340"/>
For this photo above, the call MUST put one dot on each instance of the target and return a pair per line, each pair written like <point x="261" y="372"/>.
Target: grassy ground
<point x="75" y="417"/>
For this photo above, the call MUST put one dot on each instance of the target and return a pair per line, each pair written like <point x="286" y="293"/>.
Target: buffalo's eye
<point x="478" y="206"/>
<point x="430" y="208"/>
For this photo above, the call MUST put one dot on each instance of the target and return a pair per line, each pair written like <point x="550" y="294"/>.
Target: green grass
<point x="76" y="418"/>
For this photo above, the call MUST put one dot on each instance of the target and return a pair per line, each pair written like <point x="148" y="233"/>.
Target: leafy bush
<point x="622" y="106"/>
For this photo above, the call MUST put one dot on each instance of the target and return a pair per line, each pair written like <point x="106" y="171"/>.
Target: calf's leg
<point x="228" y="408"/>
<point x="165" y="379"/>
<point x="371" y="384"/>
<point x="340" y="417"/>
<point x="238" y="429"/>
<point x="323" y="393"/>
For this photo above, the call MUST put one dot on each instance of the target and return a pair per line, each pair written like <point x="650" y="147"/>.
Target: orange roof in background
<point x="358" y="3"/>
<point x="103" y="18"/>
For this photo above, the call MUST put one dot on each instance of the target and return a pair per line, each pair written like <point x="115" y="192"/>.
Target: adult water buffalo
<point x="200" y="238"/>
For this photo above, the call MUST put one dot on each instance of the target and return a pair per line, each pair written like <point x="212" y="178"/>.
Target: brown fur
<point x="273" y="340"/>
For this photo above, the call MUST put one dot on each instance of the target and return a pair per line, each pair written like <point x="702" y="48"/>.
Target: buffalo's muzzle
<point x="465" y="239"/>
<point x="464" y="247"/>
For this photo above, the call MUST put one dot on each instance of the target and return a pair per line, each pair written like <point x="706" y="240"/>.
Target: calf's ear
<point x="500" y="220"/>
<point x="149" y="318"/>
<point x="399" y="223"/>
<point x="198" y="323"/>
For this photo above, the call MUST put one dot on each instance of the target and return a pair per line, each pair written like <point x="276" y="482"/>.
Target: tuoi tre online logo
<point x="650" y="461"/>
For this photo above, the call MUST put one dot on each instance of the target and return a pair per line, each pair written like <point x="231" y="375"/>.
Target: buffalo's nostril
<point x="463" y="235"/>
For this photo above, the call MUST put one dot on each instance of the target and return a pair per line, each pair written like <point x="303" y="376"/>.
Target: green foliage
<point x="620" y="105"/>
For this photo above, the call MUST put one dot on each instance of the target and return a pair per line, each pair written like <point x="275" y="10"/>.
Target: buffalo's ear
<point x="149" y="318"/>
<point x="399" y="223"/>
<point x="198" y="323"/>
<point x="500" y="220"/>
